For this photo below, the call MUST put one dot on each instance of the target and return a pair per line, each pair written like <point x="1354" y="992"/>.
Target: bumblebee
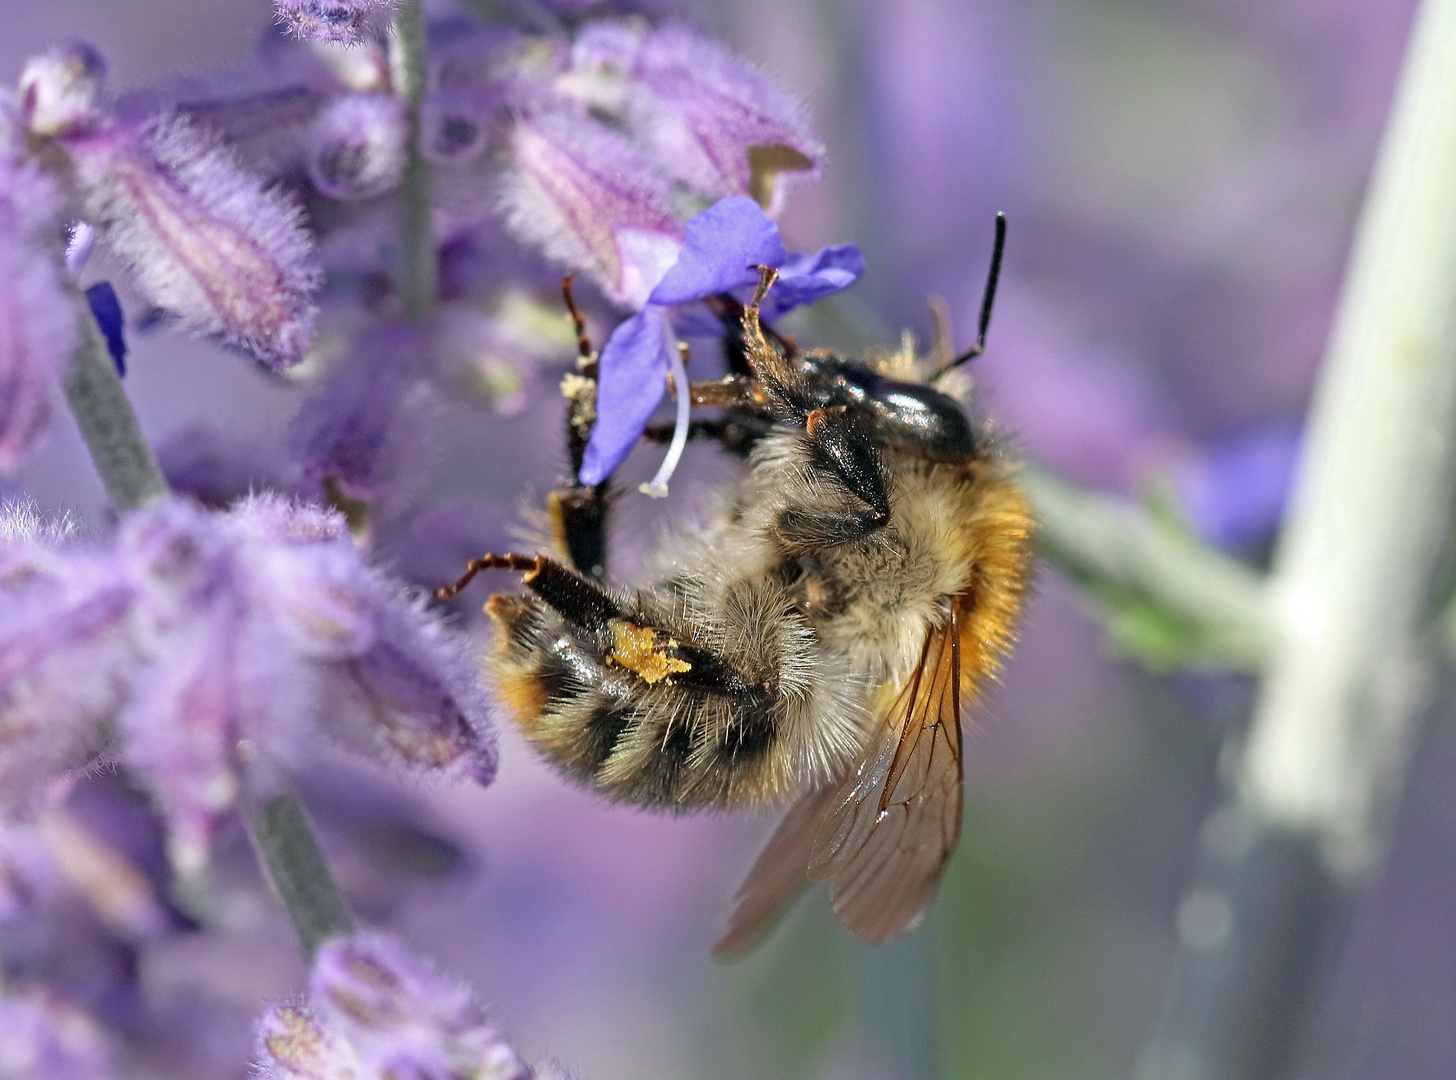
<point x="816" y="643"/>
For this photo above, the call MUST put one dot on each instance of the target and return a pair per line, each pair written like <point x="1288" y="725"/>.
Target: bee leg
<point x="578" y="513"/>
<point x="626" y="637"/>
<point x="579" y="516"/>
<point x="735" y="347"/>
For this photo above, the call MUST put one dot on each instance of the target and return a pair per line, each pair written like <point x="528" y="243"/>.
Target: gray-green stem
<point x="1098" y="539"/>
<point x="409" y="63"/>
<point x="290" y="854"/>
<point x="128" y="468"/>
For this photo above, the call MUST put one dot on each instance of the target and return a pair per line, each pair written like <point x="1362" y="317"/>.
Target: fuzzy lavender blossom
<point x="346" y="22"/>
<point x="200" y="640"/>
<point x="356" y="149"/>
<point x="700" y="114"/>
<point x="37" y="319"/>
<point x="362" y="430"/>
<point x="40" y="1036"/>
<point x="375" y="1011"/>
<point x="582" y="193"/>
<point x="204" y="240"/>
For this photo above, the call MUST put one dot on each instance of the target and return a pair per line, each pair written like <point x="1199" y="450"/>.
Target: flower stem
<point x="1096" y="538"/>
<point x="279" y="829"/>
<point x="128" y="469"/>
<point x="417" y="261"/>
<point x="1349" y="595"/>
<point x="290" y="854"/>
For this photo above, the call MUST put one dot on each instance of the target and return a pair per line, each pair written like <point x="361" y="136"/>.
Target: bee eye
<point x="840" y="446"/>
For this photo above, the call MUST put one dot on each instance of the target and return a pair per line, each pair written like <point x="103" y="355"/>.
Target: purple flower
<point x="348" y="22"/>
<point x="356" y="148"/>
<point x="724" y="246"/>
<point x="200" y="635"/>
<point x="376" y="1011"/>
<point x="1236" y="489"/>
<point x="362" y="427"/>
<point x="204" y="240"/>
<point x="581" y="193"/>
<point x="37" y="319"/>
<point x="66" y="654"/>
<point x="41" y="1036"/>
<point x="105" y="305"/>
<point x="714" y="123"/>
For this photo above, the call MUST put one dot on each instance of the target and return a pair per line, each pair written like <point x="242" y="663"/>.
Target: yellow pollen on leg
<point x="638" y="649"/>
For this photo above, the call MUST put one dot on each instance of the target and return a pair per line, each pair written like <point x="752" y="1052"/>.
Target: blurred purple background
<point x="1181" y="178"/>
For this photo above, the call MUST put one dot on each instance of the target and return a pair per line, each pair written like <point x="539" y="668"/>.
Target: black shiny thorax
<point x="904" y="415"/>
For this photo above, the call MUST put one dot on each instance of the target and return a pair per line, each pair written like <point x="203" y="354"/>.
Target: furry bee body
<point x="819" y="631"/>
<point x="816" y="641"/>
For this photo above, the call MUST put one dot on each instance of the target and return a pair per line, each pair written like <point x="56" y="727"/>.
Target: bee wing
<point x="885" y="841"/>
<point x="777" y="874"/>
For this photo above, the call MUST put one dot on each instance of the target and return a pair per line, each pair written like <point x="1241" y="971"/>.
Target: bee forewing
<point x="887" y="839"/>
<point x="777" y="874"/>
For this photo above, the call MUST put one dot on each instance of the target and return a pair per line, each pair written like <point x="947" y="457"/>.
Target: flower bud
<point x="346" y="21"/>
<point x="198" y="632"/>
<point x="403" y="1017"/>
<point x="356" y="149"/>
<point x="714" y="123"/>
<point x="205" y="241"/>
<point x="580" y="192"/>
<point x="450" y="130"/>
<point x="65" y="652"/>
<point x="60" y="89"/>
<point x="291" y="1045"/>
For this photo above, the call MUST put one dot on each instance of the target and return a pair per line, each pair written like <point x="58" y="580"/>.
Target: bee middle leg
<point x="579" y="513"/>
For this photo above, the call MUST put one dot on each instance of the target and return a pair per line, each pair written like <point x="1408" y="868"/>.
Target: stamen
<point x="657" y="486"/>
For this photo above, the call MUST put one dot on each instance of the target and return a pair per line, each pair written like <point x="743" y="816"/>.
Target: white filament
<point x="657" y="486"/>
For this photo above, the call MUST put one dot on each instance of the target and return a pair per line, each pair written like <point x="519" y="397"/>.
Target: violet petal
<point x="803" y="279"/>
<point x="724" y="245"/>
<point x="105" y="305"/>
<point x="632" y="381"/>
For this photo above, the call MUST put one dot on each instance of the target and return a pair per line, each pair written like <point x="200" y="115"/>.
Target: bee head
<point x="840" y="445"/>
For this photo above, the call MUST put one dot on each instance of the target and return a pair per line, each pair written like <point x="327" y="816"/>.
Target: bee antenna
<point x="988" y="300"/>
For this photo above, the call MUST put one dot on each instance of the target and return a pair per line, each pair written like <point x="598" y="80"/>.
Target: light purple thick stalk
<point x="1348" y="675"/>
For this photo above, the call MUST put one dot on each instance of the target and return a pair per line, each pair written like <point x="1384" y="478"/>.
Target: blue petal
<point x="107" y="309"/>
<point x="722" y="246"/>
<point x="804" y="279"/>
<point x="632" y="380"/>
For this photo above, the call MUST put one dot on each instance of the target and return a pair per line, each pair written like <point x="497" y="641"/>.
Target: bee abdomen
<point x="701" y="735"/>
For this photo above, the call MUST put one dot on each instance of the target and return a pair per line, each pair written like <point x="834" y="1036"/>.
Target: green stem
<point x="128" y="469"/>
<point x="290" y="854"/>
<point x="417" y="260"/>
<point x="1100" y="539"/>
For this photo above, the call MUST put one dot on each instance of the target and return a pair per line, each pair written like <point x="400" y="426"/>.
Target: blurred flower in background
<point x="1181" y="177"/>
